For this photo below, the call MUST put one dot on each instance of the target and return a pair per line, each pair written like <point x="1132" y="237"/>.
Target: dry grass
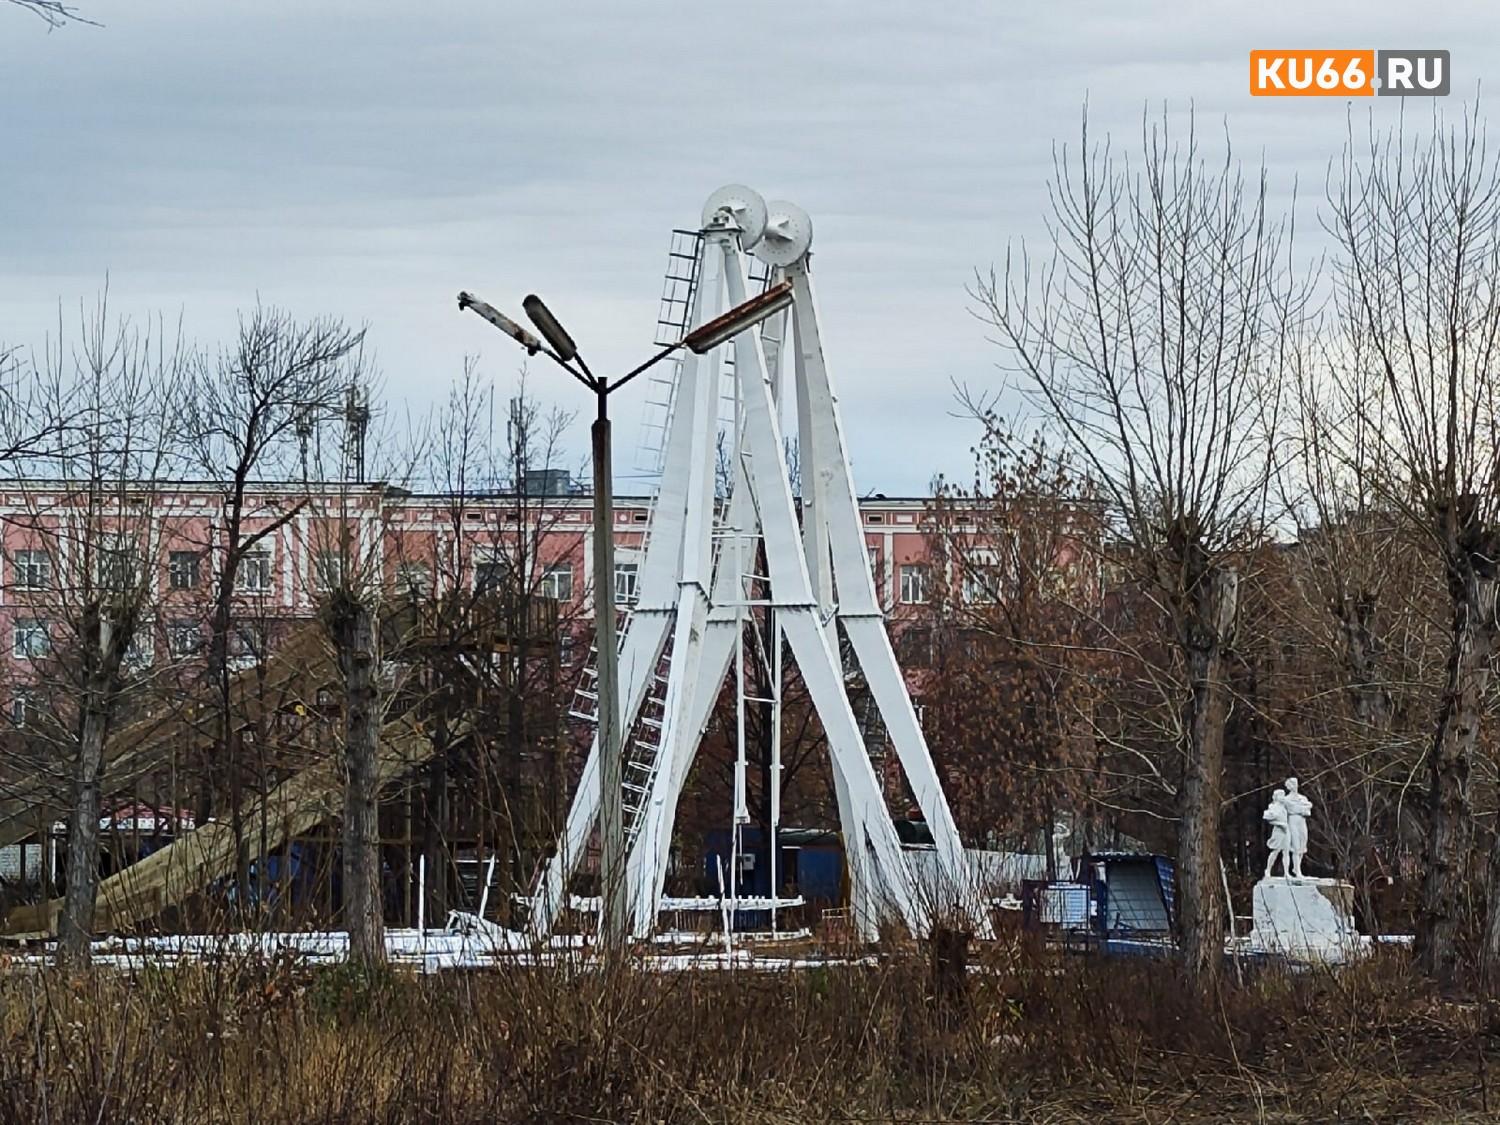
<point x="1035" y="1039"/>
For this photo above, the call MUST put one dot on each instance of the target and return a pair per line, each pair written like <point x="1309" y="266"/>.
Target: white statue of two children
<point x="1287" y="814"/>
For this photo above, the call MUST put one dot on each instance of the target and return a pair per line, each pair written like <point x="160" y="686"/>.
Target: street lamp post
<point x="557" y="345"/>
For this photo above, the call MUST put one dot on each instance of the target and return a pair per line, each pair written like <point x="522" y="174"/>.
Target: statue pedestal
<point x="1309" y="919"/>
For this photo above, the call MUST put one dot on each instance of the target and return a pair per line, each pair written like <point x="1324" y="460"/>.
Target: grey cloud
<point x="370" y="159"/>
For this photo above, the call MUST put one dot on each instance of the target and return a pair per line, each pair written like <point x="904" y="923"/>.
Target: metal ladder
<point x="643" y="740"/>
<point x="585" y="705"/>
<point x="675" y="310"/>
<point x="643" y="757"/>
<point x="679" y="288"/>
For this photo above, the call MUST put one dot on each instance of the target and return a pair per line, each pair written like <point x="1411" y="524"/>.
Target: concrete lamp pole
<point x="558" y="346"/>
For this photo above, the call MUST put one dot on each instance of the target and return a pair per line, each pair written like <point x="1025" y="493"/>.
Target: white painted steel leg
<point x="887" y="882"/>
<point x="639" y="658"/>
<point x="674" y="533"/>
<point x="798" y="611"/>
<point x="692" y="574"/>
<point x="705" y="682"/>
<point x="721" y="634"/>
<point x="859" y="607"/>
<point x="814" y="524"/>
<point x="958" y="893"/>
<point x="649" y="856"/>
<point x="774" y="844"/>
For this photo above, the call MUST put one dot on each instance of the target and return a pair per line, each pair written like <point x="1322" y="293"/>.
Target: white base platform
<point x="467" y="942"/>
<point x="1307" y="919"/>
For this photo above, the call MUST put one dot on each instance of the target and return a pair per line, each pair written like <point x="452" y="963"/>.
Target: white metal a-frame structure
<point x="688" y="624"/>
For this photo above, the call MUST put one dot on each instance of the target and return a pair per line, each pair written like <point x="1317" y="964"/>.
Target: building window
<point x="118" y="566"/>
<point x="184" y="637"/>
<point x="414" y="580"/>
<point x="491" y="575"/>
<point x="32" y="638"/>
<point x="328" y="570"/>
<point x="627" y="577"/>
<point x="557" y="582"/>
<point x="22" y="708"/>
<point x="33" y="569"/>
<point x="247" y="642"/>
<point x="915" y="578"/>
<point x="141" y="651"/>
<point x="255" y="574"/>
<point x="182" y="570"/>
<point x="982" y="583"/>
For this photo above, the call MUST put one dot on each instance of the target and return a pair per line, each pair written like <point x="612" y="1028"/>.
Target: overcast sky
<point x="368" y="160"/>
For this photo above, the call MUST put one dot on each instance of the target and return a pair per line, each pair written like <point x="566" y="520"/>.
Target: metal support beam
<point x="819" y="577"/>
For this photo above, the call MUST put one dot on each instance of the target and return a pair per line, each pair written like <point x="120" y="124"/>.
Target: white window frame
<point x="485" y="560"/>
<point x="247" y="643"/>
<point x="258" y="563"/>
<point x="174" y="570"/>
<point x="25" y="630"/>
<point x="916" y="583"/>
<point x="117" y="563"/>
<point x="557" y="582"/>
<point x="982" y="582"/>
<point x="31" y="568"/>
<point x="182" y="627"/>
<point x="414" y="579"/>
<point x="141" y="652"/>
<point x="627" y="583"/>
<point x="328" y="570"/>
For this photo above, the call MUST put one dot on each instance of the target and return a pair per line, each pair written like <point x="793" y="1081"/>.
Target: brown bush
<point x="1037" y="1038"/>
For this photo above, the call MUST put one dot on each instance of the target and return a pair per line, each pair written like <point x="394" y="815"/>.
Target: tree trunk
<point x="1370" y="701"/>
<point x="1489" y="951"/>
<point x="948" y="972"/>
<point x="1450" y="762"/>
<point x="766" y="736"/>
<point x="76" y="925"/>
<point x="435" y="814"/>
<point x="354" y="638"/>
<point x="1369" y="697"/>
<point x="1209" y="620"/>
<point x="1049" y="818"/>
<point x="217" y="753"/>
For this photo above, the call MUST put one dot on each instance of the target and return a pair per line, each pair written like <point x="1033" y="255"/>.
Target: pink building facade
<point x="56" y="542"/>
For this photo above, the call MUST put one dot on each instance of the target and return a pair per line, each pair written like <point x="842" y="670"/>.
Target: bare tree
<point x="1345" y="633"/>
<point x="111" y="403"/>
<point x="494" y="587"/>
<point x="355" y="585"/>
<point x="53" y="13"/>
<point x="1418" y="222"/>
<point x="1151" y="340"/>
<point x="259" y="411"/>
<point x="1012" y="595"/>
<point x="27" y="432"/>
<point x="347" y="527"/>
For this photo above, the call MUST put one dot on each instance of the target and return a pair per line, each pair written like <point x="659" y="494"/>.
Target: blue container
<point x="810" y="862"/>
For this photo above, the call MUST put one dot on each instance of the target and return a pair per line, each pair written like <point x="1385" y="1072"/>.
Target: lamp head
<point x="500" y="321"/>
<point x="552" y="331"/>
<point x="708" y="336"/>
